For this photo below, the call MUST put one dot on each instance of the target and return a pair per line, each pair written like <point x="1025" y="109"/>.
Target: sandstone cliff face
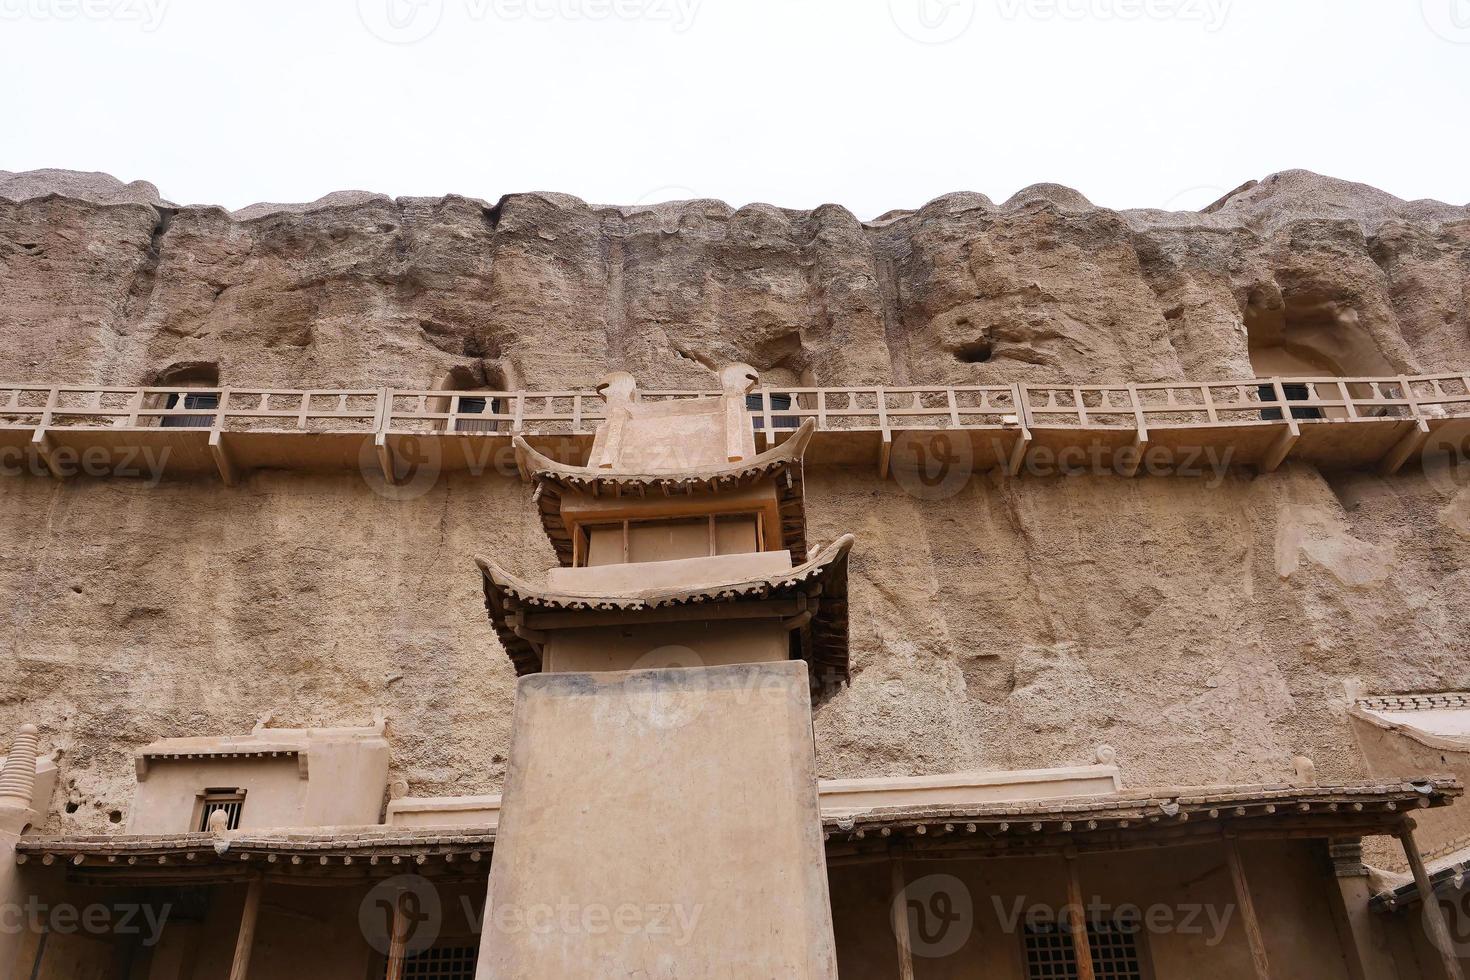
<point x="1204" y="627"/>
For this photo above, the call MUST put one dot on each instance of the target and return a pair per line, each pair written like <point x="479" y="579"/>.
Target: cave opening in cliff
<point x="184" y="375"/>
<point x="462" y="378"/>
<point x="975" y="352"/>
<point x="1307" y="336"/>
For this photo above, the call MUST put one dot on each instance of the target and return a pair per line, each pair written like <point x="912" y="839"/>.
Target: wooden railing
<point x="1140" y="413"/>
<point x="1127" y="406"/>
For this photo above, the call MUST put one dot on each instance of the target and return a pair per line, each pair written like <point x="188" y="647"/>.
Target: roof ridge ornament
<point x="18" y="777"/>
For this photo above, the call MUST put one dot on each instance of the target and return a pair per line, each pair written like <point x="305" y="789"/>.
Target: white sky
<point x="1136" y="103"/>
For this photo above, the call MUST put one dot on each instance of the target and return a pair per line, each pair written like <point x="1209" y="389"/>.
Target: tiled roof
<point x="328" y="850"/>
<point x="822" y="581"/>
<point x="782" y="463"/>
<point x="1362" y="809"/>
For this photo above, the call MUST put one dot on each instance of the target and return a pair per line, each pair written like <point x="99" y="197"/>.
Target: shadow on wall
<point x="203" y="375"/>
<point x="1310" y="337"/>
<point x="478" y="379"/>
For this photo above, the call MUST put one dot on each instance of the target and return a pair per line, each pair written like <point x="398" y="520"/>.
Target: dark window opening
<point x="756" y="405"/>
<point x="1294" y="393"/>
<point x="1114" y="947"/>
<point x="477" y="406"/>
<point x="232" y="801"/>
<point x="445" y="961"/>
<point x="205" y="401"/>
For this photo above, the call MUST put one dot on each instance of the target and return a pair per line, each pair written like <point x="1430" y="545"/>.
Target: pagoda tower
<point x="660" y="812"/>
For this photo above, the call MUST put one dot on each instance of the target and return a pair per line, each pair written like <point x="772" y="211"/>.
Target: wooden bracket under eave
<point x="885" y="455"/>
<point x="46" y="449"/>
<point x="1410" y="443"/>
<point x="385" y="459"/>
<point x="1017" y="460"/>
<point x="222" y="460"/>
<point x="1281" y="447"/>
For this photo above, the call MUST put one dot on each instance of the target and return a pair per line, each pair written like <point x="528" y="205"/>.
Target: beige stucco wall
<point x="1387" y="751"/>
<point x="1205" y="630"/>
<point x="711" y="643"/>
<point x="705" y="808"/>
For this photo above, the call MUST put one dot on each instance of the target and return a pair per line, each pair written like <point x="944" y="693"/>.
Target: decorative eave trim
<point x="782" y="463"/>
<point x="823" y="579"/>
<point x="1177" y="812"/>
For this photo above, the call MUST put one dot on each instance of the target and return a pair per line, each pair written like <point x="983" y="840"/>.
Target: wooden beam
<point x="240" y="968"/>
<point x="1281" y="447"/>
<point x="1409" y="444"/>
<point x="900" y="909"/>
<point x="885" y="454"/>
<point x="46" y="449"/>
<point x="1439" y="931"/>
<point x="397" y="940"/>
<point x="1139" y="449"/>
<point x="1017" y="461"/>
<point x="754" y="609"/>
<point x="1077" y="921"/>
<point x="386" y="461"/>
<point x="222" y="461"/>
<point x="1247" y="910"/>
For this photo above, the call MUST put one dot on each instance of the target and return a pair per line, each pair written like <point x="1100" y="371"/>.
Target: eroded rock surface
<point x="1205" y="627"/>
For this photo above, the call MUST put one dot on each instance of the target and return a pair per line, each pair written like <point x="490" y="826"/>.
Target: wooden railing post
<point x="1434" y="921"/>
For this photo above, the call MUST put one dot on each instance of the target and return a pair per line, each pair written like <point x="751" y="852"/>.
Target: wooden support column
<point x="1247" y="910"/>
<point x="385" y="459"/>
<point x="1439" y="930"/>
<point x="1276" y="455"/>
<point x="397" y="940"/>
<point x="900" y="910"/>
<point x="1409" y="443"/>
<point x="240" y="968"/>
<point x="222" y="461"/>
<point x="46" y="449"/>
<point x="1077" y="921"/>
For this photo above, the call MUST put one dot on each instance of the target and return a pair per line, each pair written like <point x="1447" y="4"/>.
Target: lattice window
<point x="756" y="404"/>
<point x="209" y="401"/>
<point x="1294" y="392"/>
<point x="1115" y="956"/>
<point x="476" y="406"/>
<point x="442" y="962"/>
<point x="232" y="801"/>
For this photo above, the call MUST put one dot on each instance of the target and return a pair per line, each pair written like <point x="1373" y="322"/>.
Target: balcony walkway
<point x="1338" y="423"/>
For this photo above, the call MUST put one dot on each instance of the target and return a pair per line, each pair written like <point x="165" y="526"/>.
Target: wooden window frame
<point x="582" y="543"/>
